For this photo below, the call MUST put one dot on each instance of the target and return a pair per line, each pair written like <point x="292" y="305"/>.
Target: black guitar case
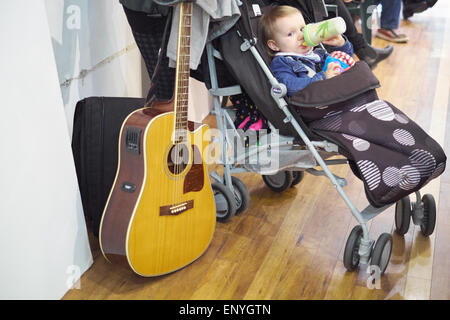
<point x="96" y="129"/>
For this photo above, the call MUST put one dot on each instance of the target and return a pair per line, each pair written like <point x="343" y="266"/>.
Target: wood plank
<point x="268" y="275"/>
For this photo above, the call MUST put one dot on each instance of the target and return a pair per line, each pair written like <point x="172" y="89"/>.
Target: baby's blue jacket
<point x="291" y="70"/>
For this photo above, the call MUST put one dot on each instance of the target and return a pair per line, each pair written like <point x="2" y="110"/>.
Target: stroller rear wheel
<point x="402" y="215"/>
<point x="351" y="251"/>
<point x="241" y="195"/>
<point x="225" y="202"/>
<point x="280" y="181"/>
<point x="297" y="177"/>
<point x="381" y="253"/>
<point x="429" y="215"/>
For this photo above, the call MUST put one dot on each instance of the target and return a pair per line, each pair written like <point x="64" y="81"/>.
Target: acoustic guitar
<point x="160" y="215"/>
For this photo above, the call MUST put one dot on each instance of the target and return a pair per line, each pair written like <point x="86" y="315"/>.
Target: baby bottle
<point x="315" y="33"/>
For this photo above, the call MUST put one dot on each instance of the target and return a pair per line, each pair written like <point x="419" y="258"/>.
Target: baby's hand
<point x="333" y="70"/>
<point x="337" y="41"/>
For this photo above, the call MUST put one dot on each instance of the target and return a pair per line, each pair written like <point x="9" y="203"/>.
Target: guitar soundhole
<point x="178" y="158"/>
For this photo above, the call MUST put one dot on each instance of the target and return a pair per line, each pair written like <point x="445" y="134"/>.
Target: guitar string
<point x="186" y="67"/>
<point x="182" y="94"/>
<point x="186" y="76"/>
<point x="177" y="106"/>
<point x="182" y="97"/>
<point x="180" y="101"/>
<point x="175" y="149"/>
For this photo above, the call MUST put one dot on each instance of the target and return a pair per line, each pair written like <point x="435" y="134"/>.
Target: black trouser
<point x="352" y="34"/>
<point x="148" y="33"/>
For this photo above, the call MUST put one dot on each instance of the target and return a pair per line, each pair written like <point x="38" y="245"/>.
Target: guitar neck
<point x="183" y="69"/>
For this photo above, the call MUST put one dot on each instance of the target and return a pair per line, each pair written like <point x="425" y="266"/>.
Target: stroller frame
<point x="365" y="245"/>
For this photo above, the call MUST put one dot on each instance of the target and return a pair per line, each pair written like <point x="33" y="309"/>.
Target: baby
<point x="295" y="63"/>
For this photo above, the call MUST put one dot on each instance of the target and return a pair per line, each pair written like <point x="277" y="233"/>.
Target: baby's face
<point x="288" y="35"/>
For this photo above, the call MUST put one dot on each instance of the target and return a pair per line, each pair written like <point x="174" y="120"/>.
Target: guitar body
<point x="159" y="217"/>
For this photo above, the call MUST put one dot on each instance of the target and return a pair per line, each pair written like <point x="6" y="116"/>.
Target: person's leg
<point x="351" y="33"/>
<point x="362" y="49"/>
<point x="390" y="20"/>
<point x="390" y="14"/>
<point x="148" y="31"/>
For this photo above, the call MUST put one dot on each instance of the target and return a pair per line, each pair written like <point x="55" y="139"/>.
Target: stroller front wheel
<point x="382" y="252"/>
<point x="351" y="251"/>
<point x="429" y="215"/>
<point x="402" y="216"/>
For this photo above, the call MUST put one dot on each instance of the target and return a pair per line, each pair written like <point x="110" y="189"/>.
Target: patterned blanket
<point x="389" y="152"/>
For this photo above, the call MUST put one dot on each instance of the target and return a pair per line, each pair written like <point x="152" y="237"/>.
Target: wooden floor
<point x="290" y="245"/>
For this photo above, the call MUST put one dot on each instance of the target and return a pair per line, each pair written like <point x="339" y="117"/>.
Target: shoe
<point x="373" y="55"/>
<point x="391" y="35"/>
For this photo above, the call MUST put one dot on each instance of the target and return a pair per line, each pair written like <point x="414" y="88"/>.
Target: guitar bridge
<point x="176" y="209"/>
<point x="133" y="140"/>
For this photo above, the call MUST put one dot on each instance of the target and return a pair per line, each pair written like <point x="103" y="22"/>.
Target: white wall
<point x="43" y="237"/>
<point x="94" y="50"/>
<point x="55" y="53"/>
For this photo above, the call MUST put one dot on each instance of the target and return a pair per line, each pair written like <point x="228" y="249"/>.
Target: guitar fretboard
<point x="183" y="71"/>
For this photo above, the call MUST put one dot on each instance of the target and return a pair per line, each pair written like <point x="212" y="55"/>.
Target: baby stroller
<point x="310" y="127"/>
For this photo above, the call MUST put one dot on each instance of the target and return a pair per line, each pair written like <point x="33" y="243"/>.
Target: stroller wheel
<point x="402" y="215"/>
<point x="382" y="252"/>
<point x="297" y="177"/>
<point x="429" y="215"/>
<point x="225" y="202"/>
<point x="351" y="252"/>
<point x="279" y="181"/>
<point x="241" y="195"/>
